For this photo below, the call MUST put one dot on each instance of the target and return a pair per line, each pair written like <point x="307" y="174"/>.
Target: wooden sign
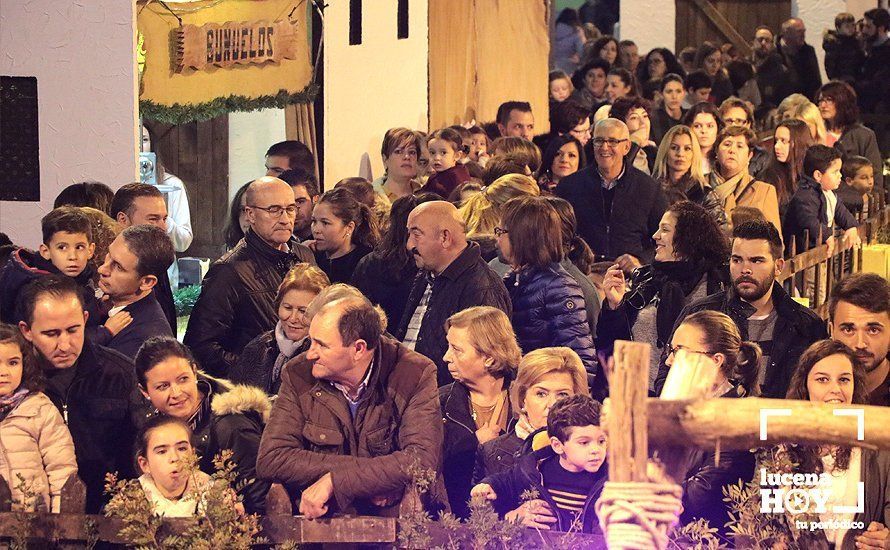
<point x="235" y="43"/>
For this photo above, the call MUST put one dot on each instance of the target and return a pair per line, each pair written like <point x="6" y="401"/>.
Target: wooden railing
<point x="278" y="526"/>
<point x="812" y="273"/>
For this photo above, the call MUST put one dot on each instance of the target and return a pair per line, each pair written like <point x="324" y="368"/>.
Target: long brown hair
<point x="785" y="174"/>
<point x="345" y="206"/>
<point x="808" y="457"/>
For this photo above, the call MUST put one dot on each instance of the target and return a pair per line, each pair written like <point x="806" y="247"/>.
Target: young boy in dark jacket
<point x="843" y="53"/>
<point x="568" y="476"/>
<point x="66" y="250"/>
<point x="815" y="208"/>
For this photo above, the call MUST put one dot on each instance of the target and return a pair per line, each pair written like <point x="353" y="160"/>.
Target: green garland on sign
<point x="180" y="114"/>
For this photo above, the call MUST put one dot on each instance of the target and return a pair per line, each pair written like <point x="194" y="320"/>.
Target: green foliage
<point x="185" y="298"/>
<point x="698" y="534"/>
<point x="22" y="510"/>
<point x="181" y="114"/>
<point x="219" y="525"/>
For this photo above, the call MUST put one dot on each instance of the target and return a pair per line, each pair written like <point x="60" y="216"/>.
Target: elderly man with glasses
<point x="618" y="207"/>
<point x="237" y="300"/>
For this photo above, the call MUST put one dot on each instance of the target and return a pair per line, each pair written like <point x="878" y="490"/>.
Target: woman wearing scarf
<point x="731" y="180"/>
<point x="690" y="263"/>
<point x="263" y="358"/>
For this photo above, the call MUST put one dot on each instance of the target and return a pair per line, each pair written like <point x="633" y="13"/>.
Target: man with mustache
<point x="237" y="301"/>
<point x="860" y="318"/>
<point x="453" y="277"/>
<point x="762" y="309"/>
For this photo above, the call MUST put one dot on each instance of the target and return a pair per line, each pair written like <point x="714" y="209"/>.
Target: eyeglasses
<point x="276" y="210"/>
<point x="672" y="350"/>
<point x="498" y="231"/>
<point x="735" y="121"/>
<point x="612" y="143"/>
<point x="581" y="132"/>
<point x="824" y="100"/>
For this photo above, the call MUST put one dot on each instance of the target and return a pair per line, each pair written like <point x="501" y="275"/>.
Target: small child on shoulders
<point x="170" y="483"/>
<point x="36" y="442"/>
<point x="568" y="475"/>
<point x="446" y="149"/>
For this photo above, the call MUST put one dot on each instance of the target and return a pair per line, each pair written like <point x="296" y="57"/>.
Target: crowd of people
<point x="455" y="314"/>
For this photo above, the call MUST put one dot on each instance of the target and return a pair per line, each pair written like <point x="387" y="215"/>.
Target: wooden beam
<point x="736" y="425"/>
<point x="724" y="26"/>
<point x="628" y="440"/>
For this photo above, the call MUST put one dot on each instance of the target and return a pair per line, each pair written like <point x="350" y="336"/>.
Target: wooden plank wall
<point x="693" y="27"/>
<point x="198" y="153"/>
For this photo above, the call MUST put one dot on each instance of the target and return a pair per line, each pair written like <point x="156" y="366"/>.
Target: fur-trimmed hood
<point x="231" y="398"/>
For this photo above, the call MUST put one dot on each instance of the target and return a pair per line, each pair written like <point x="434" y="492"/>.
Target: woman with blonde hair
<point x="482" y="357"/>
<point x="543" y="377"/>
<point x="263" y="359"/>
<point x="809" y="113"/>
<point x="481" y="212"/>
<point x="678" y="168"/>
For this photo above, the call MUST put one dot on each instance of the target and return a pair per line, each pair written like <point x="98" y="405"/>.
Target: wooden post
<point x="278" y="502"/>
<point x="74" y="496"/>
<point x="628" y="435"/>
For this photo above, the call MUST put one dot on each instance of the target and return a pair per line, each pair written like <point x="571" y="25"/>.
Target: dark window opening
<point x="355" y="22"/>
<point x="403" y="19"/>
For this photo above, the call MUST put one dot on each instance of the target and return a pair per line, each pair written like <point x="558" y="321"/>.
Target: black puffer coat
<point x="256" y="365"/>
<point x="549" y="310"/>
<point x="237" y="301"/>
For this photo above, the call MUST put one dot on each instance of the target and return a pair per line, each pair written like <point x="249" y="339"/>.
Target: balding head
<point x="794" y="32"/>
<point x="265" y="193"/>
<point x="436" y="235"/>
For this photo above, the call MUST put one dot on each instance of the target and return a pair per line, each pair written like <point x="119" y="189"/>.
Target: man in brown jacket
<point x="352" y="415"/>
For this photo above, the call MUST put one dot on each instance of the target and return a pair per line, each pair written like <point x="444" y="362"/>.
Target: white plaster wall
<point x="817" y="15"/>
<point x="859" y="7"/>
<point x="371" y="87"/>
<point x="250" y="135"/>
<point x="82" y="54"/>
<point x="649" y="23"/>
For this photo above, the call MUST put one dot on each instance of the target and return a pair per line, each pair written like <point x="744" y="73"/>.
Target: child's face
<point x="831" y="178"/>
<point x="560" y="89"/>
<point x="847" y="29"/>
<point x="69" y="252"/>
<point x="479" y="147"/>
<point x="584" y="451"/>
<point x="442" y="155"/>
<point x="10" y="368"/>
<point x="864" y="180"/>
<point x="167" y="447"/>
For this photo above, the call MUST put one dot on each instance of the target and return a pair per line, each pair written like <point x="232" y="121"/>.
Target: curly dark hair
<point x="670" y="61"/>
<point x="808" y="457"/>
<point x="845" y="103"/>
<point x="698" y="238"/>
<point x="32" y="375"/>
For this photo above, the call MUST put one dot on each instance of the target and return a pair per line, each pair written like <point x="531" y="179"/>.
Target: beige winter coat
<point x="35" y="442"/>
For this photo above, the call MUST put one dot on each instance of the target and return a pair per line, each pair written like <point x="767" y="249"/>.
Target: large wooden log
<point x="628" y="441"/>
<point x="736" y="424"/>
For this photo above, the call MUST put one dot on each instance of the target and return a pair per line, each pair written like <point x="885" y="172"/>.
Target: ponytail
<point x="478" y="215"/>
<point x="366" y="233"/>
<point x="748" y="367"/>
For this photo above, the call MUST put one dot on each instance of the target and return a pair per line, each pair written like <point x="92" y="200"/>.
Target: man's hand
<point x="533" y="513"/>
<point x="614" y="285"/>
<point x="627" y="263"/>
<point x="831" y="242"/>
<point x="314" y="501"/>
<point x="483" y="490"/>
<point x="118" y="322"/>
<point x="875" y="537"/>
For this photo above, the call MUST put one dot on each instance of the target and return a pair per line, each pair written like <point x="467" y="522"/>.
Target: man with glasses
<point x="237" y="300"/>
<point x="568" y="117"/>
<point x="761" y="308"/>
<point x="618" y="207"/>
